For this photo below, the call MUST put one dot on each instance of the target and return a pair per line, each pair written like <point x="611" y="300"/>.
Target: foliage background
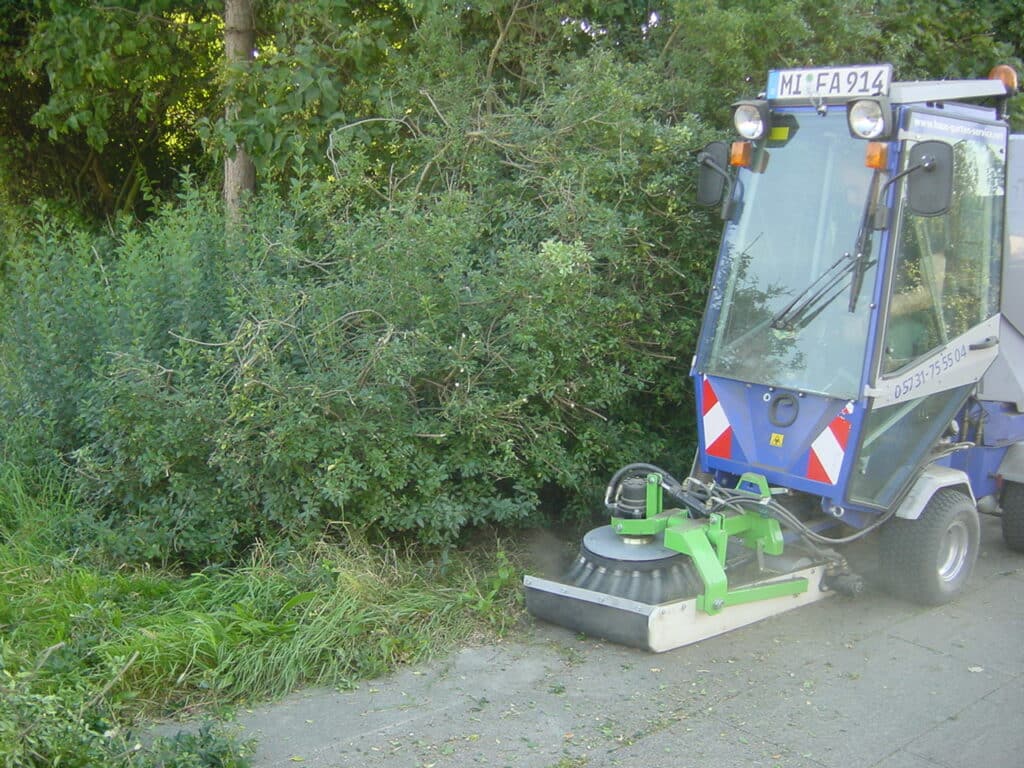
<point x="467" y="287"/>
<point x="235" y="459"/>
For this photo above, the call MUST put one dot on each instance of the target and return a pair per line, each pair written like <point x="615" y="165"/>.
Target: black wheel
<point x="1013" y="516"/>
<point x="929" y="560"/>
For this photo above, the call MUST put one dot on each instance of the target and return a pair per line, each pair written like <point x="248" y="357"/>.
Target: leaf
<point x="299" y="599"/>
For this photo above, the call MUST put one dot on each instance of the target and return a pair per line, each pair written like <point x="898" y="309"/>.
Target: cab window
<point x="946" y="269"/>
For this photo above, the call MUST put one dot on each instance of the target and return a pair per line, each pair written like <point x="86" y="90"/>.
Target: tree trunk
<point x="239" y="41"/>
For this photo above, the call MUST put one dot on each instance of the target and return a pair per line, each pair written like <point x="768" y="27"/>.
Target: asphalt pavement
<point x="844" y="683"/>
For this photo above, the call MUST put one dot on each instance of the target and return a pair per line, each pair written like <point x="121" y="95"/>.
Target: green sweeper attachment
<point x="659" y="578"/>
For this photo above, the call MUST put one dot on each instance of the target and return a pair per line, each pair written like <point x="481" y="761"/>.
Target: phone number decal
<point x="944" y="362"/>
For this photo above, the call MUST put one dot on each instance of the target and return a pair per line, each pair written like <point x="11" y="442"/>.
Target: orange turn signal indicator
<point x="741" y="153"/>
<point x="877" y="155"/>
<point x="1008" y="76"/>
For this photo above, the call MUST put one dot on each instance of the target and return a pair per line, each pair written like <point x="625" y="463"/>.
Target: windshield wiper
<point x="828" y="286"/>
<point x="810" y="302"/>
<point x="863" y="245"/>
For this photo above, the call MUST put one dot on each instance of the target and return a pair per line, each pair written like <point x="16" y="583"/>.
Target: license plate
<point x="830" y="82"/>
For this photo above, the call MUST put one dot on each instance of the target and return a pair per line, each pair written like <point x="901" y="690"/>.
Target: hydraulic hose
<point x="794" y="523"/>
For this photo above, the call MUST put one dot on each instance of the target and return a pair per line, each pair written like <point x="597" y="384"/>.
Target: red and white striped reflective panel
<point x="829" y="449"/>
<point x="717" y="430"/>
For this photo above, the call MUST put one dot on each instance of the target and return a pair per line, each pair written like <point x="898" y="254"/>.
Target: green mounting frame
<point x="706" y="543"/>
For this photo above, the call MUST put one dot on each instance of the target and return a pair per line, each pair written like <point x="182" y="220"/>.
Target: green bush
<point x="38" y="729"/>
<point x="482" y="344"/>
<point x="42" y="729"/>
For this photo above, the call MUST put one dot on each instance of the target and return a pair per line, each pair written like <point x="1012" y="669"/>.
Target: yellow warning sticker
<point x="776" y="440"/>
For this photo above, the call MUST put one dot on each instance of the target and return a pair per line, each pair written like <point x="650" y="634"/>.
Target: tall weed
<point x="85" y="649"/>
<point x="62" y="700"/>
<point x="339" y="611"/>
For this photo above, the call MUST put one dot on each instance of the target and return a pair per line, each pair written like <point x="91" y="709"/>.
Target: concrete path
<point x="839" y="684"/>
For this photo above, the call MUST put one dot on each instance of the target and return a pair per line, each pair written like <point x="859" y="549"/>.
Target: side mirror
<point x="712" y="176"/>
<point x="930" y="178"/>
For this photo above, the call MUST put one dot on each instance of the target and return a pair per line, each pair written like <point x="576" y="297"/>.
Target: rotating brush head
<point x="647" y="571"/>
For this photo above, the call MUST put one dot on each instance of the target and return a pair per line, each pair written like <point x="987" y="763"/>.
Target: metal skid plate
<point x="661" y="627"/>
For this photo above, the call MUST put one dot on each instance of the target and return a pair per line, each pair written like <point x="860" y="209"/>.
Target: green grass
<point x="118" y="643"/>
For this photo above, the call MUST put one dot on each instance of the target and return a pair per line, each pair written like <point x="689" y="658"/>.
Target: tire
<point x="1013" y="516"/>
<point x="930" y="560"/>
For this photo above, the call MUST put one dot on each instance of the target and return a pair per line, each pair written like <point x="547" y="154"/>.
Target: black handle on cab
<point x="986" y="343"/>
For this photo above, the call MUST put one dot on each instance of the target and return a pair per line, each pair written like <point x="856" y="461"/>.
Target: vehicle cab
<point x="855" y="303"/>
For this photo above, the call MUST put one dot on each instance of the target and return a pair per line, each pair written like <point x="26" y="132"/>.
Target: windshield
<point x="779" y="312"/>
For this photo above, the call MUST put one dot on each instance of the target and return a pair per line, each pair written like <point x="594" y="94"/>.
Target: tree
<point x="470" y="280"/>
<point x="239" y="42"/>
<point x="103" y="104"/>
<point x="100" y="102"/>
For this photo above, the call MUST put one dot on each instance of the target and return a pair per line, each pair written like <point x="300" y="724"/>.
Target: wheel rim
<point x="953" y="555"/>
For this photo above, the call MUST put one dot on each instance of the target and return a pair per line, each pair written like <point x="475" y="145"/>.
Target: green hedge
<point x="478" y="343"/>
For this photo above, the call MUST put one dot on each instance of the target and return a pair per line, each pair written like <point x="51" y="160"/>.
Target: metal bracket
<point x="706" y="543"/>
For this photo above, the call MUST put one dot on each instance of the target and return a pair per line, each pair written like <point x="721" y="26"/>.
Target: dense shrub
<point x="470" y="285"/>
<point x="482" y="342"/>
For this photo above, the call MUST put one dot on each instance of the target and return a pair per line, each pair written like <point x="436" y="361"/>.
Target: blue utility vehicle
<point x="859" y="371"/>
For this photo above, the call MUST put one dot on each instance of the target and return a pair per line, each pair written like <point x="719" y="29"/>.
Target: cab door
<point x="940" y="320"/>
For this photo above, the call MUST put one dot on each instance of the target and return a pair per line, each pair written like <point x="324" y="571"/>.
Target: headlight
<point x="869" y="119"/>
<point x="751" y="119"/>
